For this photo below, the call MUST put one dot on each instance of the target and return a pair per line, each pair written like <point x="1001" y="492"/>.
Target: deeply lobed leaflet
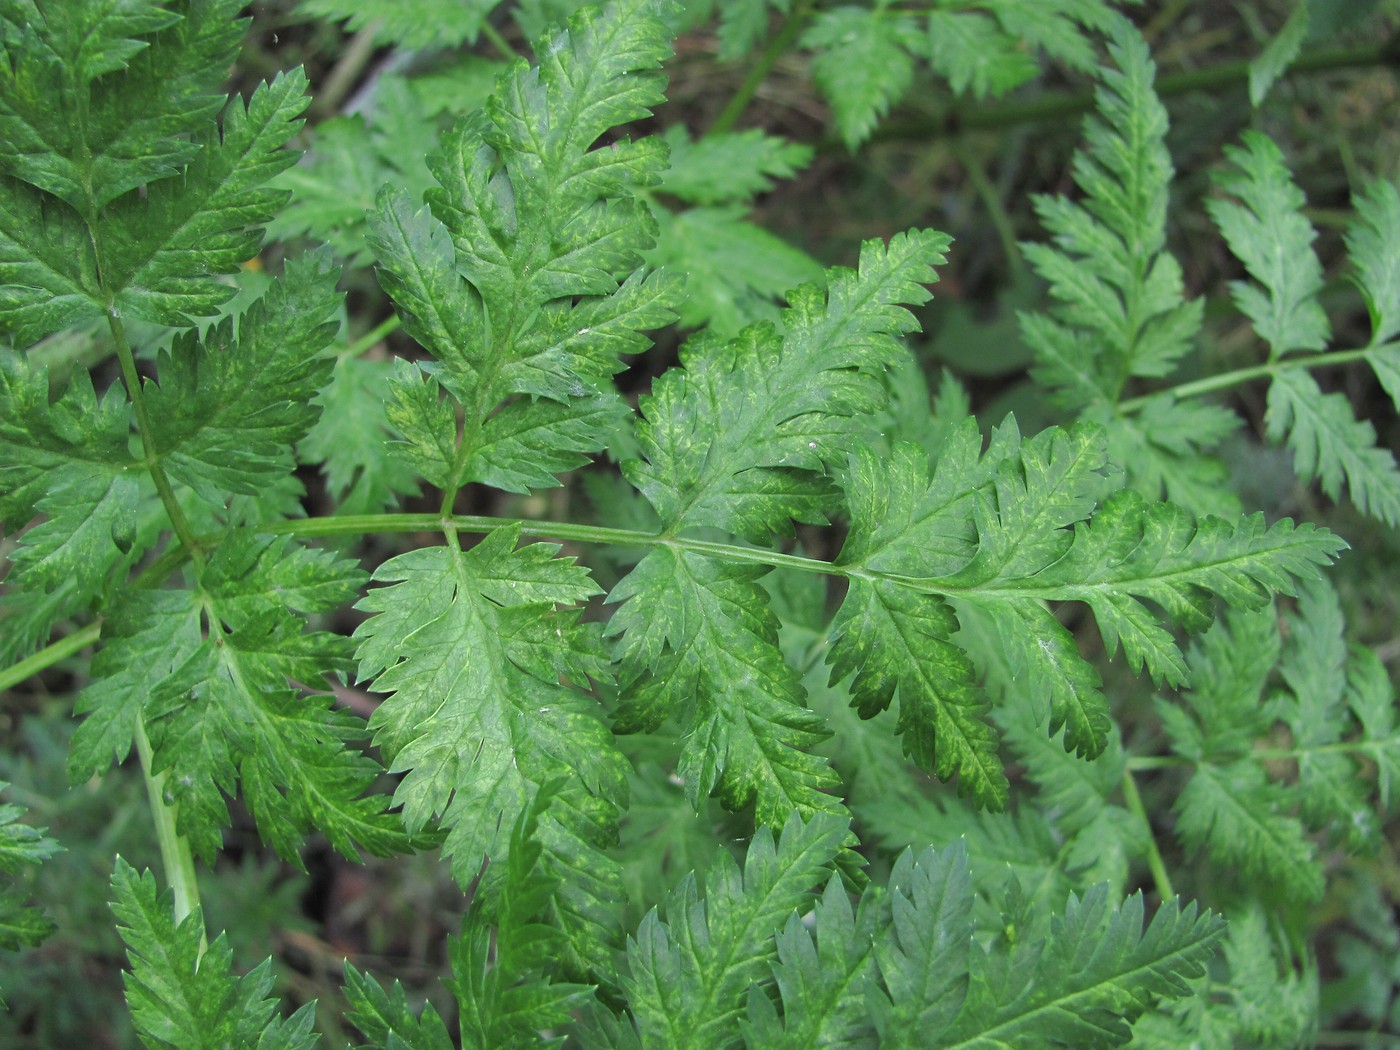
<point x="167" y="506"/>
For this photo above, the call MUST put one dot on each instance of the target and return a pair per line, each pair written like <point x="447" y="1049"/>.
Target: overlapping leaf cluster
<point x="159" y="199"/>
<point x="1122" y="316"/>
<point x="525" y="279"/>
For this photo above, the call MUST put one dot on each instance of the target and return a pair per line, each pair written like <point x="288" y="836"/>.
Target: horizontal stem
<point x="363" y="524"/>
<point x="1225" y="380"/>
<point x="1142" y="763"/>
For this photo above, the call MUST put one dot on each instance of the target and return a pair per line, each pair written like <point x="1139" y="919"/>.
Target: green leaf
<point x="1278" y="55"/>
<point x="1007" y="531"/>
<point x="138" y="207"/>
<point x="1122" y="311"/>
<point x="472" y="649"/>
<point x="1132" y="550"/>
<point x="743" y="24"/>
<point x="385" y="1018"/>
<point x="689" y="973"/>
<point x="1265" y="227"/>
<point x="1330" y="792"/>
<point x="350" y="440"/>
<point x="411" y="24"/>
<point x="892" y="638"/>
<point x="227" y="412"/>
<point x="351" y="157"/>
<point x="71" y="462"/>
<point x="504" y="962"/>
<point x="207" y="671"/>
<point x="1370" y="240"/>
<point x="734" y="269"/>
<point x="1330" y="444"/>
<point x="825" y="975"/>
<point x="1229" y="667"/>
<point x="1371" y="696"/>
<point x="862" y="65"/>
<point x="729" y="168"/>
<point x="1270" y="1003"/>
<point x="1167" y="447"/>
<point x="183" y="997"/>
<point x="1233" y="812"/>
<point x="776" y="408"/>
<point x="1057" y="26"/>
<point x="21" y="847"/>
<point x="699" y="643"/>
<point x="975" y="55"/>
<point x="1097" y="971"/>
<point x="524" y="279"/>
<point x="924" y="954"/>
<point x="127" y="76"/>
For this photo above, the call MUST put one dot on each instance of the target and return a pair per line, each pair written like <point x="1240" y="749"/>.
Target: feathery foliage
<point x="816" y="737"/>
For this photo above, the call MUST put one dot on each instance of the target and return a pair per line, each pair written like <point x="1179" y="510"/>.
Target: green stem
<point x="373" y="337"/>
<point x="1225" y="380"/>
<point x="343" y="75"/>
<point x="991" y="201"/>
<point x="777" y="47"/>
<point x="499" y="42"/>
<point x="132" y="379"/>
<point x="362" y="524"/>
<point x="49" y="655"/>
<point x="1160" y="879"/>
<point x="175" y="853"/>
<point x="1055" y="106"/>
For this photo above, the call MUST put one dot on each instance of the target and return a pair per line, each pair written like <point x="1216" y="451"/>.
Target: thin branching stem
<point x="777" y="47"/>
<point x="153" y="465"/>
<point x="175" y="854"/>
<point x="1160" y="879"/>
<point x="1239" y="376"/>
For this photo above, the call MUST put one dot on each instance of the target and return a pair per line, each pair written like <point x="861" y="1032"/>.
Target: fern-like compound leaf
<point x="122" y="130"/>
<point x="185" y="997"/>
<point x="386" y="1019"/>
<point x="892" y="638"/>
<point x="737" y="439"/>
<point x="1011" y="528"/>
<point x="862" y="66"/>
<point x="1332" y="445"/>
<point x="505" y="960"/>
<point x="1263" y="222"/>
<point x="121" y="192"/>
<point x="524" y="280"/>
<point x="1241" y="818"/>
<point x="690" y="971"/>
<point x="1369" y="239"/>
<point x="924" y="953"/>
<point x="480" y="719"/>
<point x="207" y="672"/>
<point x="825" y="977"/>
<point x="1121" y="309"/>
